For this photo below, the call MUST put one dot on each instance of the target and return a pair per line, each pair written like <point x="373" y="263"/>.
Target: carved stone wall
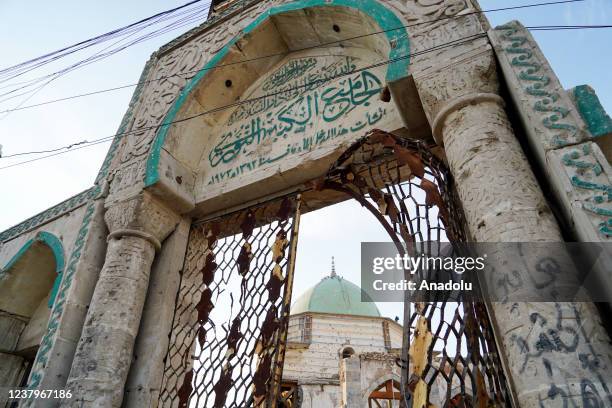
<point x="577" y="170"/>
<point x="501" y="197"/>
<point x="429" y="24"/>
<point x="503" y="202"/>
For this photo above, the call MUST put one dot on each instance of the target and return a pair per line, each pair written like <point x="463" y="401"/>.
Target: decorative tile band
<point x="588" y="177"/>
<point x="531" y="72"/>
<point x="557" y="123"/>
<point x="50" y="214"/>
<point x="42" y="357"/>
<point x="593" y="114"/>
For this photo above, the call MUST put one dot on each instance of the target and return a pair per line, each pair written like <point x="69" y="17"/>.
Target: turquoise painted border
<point x="58" y="253"/>
<point x="595" y="116"/>
<point x="385" y="18"/>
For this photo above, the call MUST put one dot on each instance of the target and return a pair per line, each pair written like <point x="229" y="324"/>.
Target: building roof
<point x="334" y="294"/>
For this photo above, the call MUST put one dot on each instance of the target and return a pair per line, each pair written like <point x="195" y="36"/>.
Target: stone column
<point x="556" y="353"/>
<point x="143" y="384"/>
<point x="104" y="352"/>
<point x="350" y="381"/>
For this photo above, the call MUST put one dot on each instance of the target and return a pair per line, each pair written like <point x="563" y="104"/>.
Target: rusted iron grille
<point x="453" y="356"/>
<point x="227" y="342"/>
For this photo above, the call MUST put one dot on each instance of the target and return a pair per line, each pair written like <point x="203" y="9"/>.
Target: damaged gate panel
<point x="230" y="326"/>
<point x="227" y="341"/>
<point x="449" y="357"/>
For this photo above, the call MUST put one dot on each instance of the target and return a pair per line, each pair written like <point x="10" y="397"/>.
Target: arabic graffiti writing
<point x="565" y="332"/>
<point x="304" y="104"/>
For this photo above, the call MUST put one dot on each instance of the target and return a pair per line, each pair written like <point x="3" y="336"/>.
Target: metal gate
<point x="230" y="325"/>
<point x="449" y="342"/>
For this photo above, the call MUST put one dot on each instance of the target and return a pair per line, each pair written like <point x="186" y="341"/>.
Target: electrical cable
<point x="96" y="57"/>
<point x="297" y="50"/>
<point x="240" y="102"/>
<point x="185" y="17"/>
<point x="100" y="55"/>
<point x="95" y="40"/>
<point x="85" y="143"/>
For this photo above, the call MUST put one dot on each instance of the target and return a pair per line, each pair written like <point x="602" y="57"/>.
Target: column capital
<point x="142" y="216"/>
<point x="466" y="80"/>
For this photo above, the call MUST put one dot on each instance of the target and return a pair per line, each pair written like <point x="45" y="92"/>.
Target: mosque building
<point x="170" y="281"/>
<point x="341" y="352"/>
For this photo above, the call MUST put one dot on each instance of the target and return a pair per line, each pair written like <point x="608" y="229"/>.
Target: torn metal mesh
<point x="231" y="310"/>
<point x="449" y="356"/>
<point x="229" y="330"/>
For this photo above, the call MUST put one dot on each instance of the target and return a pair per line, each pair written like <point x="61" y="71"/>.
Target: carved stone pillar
<point x="504" y="203"/>
<point x="104" y="352"/>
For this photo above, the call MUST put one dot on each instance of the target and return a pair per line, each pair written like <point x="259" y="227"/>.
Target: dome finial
<point x="333" y="269"/>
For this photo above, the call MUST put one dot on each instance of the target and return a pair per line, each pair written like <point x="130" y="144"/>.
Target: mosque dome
<point x="334" y="294"/>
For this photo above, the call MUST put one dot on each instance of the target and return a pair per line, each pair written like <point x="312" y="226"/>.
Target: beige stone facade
<point x="343" y="360"/>
<point x="256" y="105"/>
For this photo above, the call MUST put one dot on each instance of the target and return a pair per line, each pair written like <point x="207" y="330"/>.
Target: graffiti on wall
<point x="302" y="105"/>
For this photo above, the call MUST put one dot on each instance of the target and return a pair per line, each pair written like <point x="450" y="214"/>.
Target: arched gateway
<point x="178" y="283"/>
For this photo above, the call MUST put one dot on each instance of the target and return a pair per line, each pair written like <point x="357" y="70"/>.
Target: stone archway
<point x="192" y="162"/>
<point x="402" y="184"/>
<point x="28" y="287"/>
<point x="458" y="91"/>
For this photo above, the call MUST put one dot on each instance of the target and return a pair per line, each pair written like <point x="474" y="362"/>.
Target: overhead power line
<point x="98" y="141"/>
<point x="26" y="66"/>
<point x="99" y="55"/>
<point x="104" y="37"/>
<point x="568" y="27"/>
<point x="238" y="103"/>
<point x="279" y="54"/>
<point x="126" y="39"/>
<point x="84" y="144"/>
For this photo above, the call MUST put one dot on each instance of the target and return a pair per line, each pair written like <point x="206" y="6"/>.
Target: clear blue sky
<point x="30" y="29"/>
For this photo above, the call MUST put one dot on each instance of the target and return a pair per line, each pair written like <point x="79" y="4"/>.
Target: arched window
<point x="386" y="395"/>
<point x="305" y="323"/>
<point x="386" y="334"/>
<point x="28" y="285"/>
<point x="347" y="352"/>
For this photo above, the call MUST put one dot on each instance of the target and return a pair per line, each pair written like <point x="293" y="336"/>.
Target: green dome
<point x="334" y="294"/>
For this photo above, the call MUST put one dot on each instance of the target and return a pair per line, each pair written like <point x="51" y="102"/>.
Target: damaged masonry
<point x="170" y="282"/>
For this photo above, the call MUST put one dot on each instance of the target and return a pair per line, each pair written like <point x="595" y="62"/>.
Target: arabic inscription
<point x="302" y="105"/>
